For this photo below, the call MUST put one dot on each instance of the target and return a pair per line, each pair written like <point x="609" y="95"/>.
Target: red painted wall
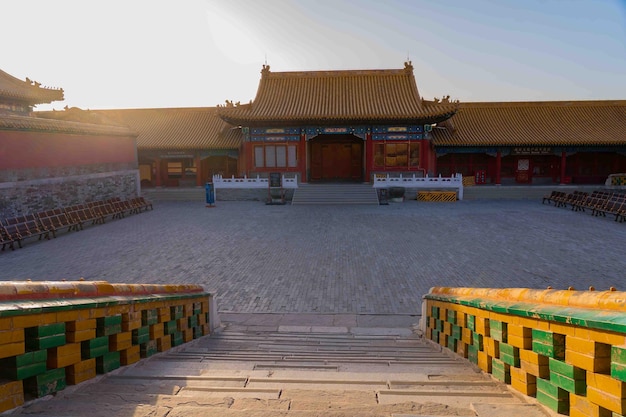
<point x="19" y="150"/>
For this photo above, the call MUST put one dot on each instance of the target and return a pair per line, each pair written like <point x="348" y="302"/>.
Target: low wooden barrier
<point x="565" y="348"/>
<point x="57" y="333"/>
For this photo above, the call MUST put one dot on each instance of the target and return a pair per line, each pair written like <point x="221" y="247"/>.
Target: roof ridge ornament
<point x="266" y="70"/>
<point x="408" y="66"/>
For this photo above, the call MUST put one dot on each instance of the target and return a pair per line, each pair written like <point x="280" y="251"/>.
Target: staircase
<point x="294" y="371"/>
<point x="335" y="194"/>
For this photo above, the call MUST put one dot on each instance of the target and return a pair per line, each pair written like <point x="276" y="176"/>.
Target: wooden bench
<point x="6" y="239"/>
<point x="81" y="214"/>
<point x="22" y="227"/>
<point x="103" y="209"/>
<point x="141" y="203"/>
<point x="554" y="197"/>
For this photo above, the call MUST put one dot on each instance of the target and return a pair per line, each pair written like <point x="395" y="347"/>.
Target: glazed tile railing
<point x="252" y="182"/>
<point x="412" y="181"/>
<point x="54" y="334"/>
<point x="565" y="348"/>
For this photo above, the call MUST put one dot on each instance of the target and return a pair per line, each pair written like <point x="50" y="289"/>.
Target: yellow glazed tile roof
<point x="549" y="123"/>
<point x="50" y="125"/>
<point x="12" y="88"/>
<point x="192" y="128"/>
<point x="326" y="97"/>
<point x="178" y="128"/>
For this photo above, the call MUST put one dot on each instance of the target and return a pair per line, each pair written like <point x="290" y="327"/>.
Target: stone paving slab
<point x="338" y="260"/>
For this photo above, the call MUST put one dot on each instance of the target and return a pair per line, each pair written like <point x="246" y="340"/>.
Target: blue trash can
<point x="209" y="188"/>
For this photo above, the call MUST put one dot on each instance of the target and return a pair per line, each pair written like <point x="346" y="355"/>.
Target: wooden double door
<point x="336" y="158"/>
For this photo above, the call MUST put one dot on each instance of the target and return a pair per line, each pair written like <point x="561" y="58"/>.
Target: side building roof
<point x="52" y="125"/>
<point x="543" y="123"/>
<point x="191" y="128"/>
<point x="331" y="97"/>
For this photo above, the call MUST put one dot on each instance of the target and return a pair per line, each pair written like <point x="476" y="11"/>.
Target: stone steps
<point x="335" y="194"/>
<point x="294" y="371"/>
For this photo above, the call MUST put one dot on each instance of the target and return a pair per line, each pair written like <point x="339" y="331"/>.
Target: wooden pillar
<point x="199" y="181"/>
<point x="563" y="161"/>
<point x="157" y="163"/>
<point x="369" y="156"/>
<point x="302" y="157"/>
<point x="425" y="157"/>
<point x="248" y="158"/>
<point x="498" y="167"/>
<point x="432" y="159"/>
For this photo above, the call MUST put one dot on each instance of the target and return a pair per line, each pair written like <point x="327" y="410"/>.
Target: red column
<point x="369" y="156"/>
<point x="248" y="159"/>
<point x="425" y="158"/>
<point x="563" y="160"/>
<point x="199" y="181"/>
<point x="498" y="167"/>
<point x="157" y="174"/>
<point x="302" y="158"/>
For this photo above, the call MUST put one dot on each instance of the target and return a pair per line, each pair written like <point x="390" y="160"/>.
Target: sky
<point x="199" y="53"/>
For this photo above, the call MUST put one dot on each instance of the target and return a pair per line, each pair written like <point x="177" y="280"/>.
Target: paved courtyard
<point x="336" y="259"/>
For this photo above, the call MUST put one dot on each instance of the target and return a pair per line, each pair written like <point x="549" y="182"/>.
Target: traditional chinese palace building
<point x="338" y="125"/>
<point x="351" y="125"/>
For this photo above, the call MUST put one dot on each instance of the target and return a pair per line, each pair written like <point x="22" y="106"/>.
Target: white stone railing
<point x="456" y="182"/>
<point x="252" y="182"/>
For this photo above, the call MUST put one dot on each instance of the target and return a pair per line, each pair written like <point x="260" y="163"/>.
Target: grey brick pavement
<point x="336" y="259"/>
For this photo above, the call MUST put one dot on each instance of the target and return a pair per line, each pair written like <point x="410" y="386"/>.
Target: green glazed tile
<point x="547" y="387"/>
<point x="148" y="349"/>
<point x="177" y="339"/>
<point x="439" y="325"/>
<point x="511" y="360"/>
<point x="567" y="370"/>
<point x="108" y="362"/>
<point x="618" y="371"/>
<point x="197" y="308"/>
<point x="478" y="341"/>
<point x="176" y="312"/>
<point x="170" y="326"/>
<point x="109" y="330"/>
<point x="618" y="355"/>
<point x="560" y="406"/>
<point x="451" y="316"/>
<point x="109" y="320"/>
<point x="46" y="330"/>
<point x="452" y="344"/>
<point x="141" y="335"/>
<point x="551" y="351"/>
<point x="96" y="342"/>
<point x="471" y="322"/>
<point x="456" y="332"/>
<point x="149" y="317"/>
<point x="576" y="386"/>
<point x="94" y="352"/>
<point x="27" y="358"/>
<point x="24" y="371"/>
<point x="47" y="342"/>
<point x="47" y="383"/>
<point x="472" y="354"/>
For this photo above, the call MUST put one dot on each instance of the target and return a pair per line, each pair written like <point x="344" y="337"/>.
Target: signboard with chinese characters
<point x="531" y="150"/>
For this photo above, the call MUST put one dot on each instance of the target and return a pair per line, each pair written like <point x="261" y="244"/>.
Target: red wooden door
<point x="336" y="161"/>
